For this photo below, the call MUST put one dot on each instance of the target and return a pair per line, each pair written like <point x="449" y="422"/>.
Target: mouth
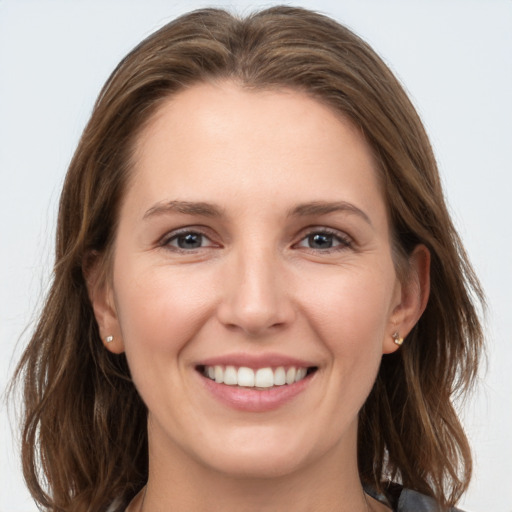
<point x="264" y="378"/>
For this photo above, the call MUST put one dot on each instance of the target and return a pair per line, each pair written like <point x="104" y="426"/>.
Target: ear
<point x="412" y="298"/>
<point x="101" y="295"/>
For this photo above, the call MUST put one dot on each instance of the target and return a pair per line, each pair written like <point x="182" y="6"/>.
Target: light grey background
<point x="455" y="59"/>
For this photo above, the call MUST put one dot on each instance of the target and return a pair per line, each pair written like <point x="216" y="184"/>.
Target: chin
<point x="260" y="465"/>
<point x="261" y="453"/>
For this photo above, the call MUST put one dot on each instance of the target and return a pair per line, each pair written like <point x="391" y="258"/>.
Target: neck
<point x="178" y="482"/>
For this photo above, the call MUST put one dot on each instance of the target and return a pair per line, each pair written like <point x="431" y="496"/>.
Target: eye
<point x="324" y="240"/>
<point x="188" y="240"/>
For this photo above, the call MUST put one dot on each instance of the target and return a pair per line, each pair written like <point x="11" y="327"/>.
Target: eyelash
<point x="343" y="240"/>
<point x="175" y="235"/>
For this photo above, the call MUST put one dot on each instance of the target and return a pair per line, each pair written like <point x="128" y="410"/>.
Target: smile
<point x="258" y="378"/>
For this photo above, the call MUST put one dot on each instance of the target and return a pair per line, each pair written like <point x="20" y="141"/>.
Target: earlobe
<point x="102" y="300"/>
<point x="413" y="299"/>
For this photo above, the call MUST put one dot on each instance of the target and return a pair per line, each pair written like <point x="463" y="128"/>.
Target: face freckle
<point x="253" y="233"/>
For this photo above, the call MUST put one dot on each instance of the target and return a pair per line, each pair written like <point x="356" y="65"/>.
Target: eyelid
<point x="345" y="240"/>
<point x="165" y="240"/>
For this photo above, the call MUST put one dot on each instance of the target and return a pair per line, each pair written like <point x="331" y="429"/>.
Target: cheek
<point x="352" y="307"/>
<point x="158" y="309"/>
<point x="350" y="313"/>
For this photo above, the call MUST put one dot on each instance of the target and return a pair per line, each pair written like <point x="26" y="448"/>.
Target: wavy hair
<point x="84" y="437"/>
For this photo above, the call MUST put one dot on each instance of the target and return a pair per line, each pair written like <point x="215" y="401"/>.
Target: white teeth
<point x="246" y="377"/>
<point x="230" y="376"/>
<point x="260" y="378"/>
<point x="301" y="373"/>
<point x="279" y="376"/>
<point x="264" y="378"/>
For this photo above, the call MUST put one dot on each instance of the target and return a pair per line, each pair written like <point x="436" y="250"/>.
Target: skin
<point x="255" y="285"/>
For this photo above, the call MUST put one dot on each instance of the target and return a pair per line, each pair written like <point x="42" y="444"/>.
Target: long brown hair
<point x="84" y="440"/>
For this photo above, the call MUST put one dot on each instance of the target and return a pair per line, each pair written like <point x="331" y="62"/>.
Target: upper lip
<point x="272" y="360"/>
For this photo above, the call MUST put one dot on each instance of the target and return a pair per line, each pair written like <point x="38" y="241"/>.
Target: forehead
<point x="228" y="141"/>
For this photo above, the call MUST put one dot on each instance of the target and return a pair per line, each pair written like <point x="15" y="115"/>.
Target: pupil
<point x="190" y="241"/>
<point x="320" y="241"/>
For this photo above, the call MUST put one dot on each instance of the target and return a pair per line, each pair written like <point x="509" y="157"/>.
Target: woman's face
<point x="253" y="247"/>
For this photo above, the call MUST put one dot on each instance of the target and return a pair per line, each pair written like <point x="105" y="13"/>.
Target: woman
<point x="260" y="301"/>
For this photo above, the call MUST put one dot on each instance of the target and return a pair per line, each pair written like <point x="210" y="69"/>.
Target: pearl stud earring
<point x="109" y="339"/>
<point x="397" y="339"/>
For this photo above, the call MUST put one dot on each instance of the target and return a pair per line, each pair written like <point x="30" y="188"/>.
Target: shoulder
<point x="412" y="501"/>
<point x="401" y="499"/>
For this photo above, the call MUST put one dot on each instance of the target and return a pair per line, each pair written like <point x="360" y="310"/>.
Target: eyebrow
<point x="185" y="207"/>
<point x="211" y="210"/>
<point x="326" y="207"/>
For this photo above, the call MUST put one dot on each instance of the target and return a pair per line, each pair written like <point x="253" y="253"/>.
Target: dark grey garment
<point x="399" y="499"/>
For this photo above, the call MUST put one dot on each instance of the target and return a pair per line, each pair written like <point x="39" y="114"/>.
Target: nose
<point x="257" y="297"/>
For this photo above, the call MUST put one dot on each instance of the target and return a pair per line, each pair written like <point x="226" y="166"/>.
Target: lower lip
<point x="256" y="400"/>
